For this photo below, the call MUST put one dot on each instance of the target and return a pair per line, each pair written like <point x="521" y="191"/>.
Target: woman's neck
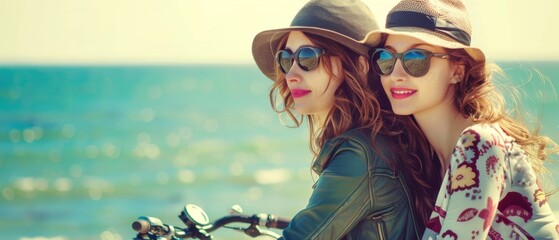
<point x="442" y="128"/>
<point x="320" y="119"/>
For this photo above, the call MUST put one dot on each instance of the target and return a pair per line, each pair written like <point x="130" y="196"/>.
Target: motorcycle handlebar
<point x="264" y="220"/>
<point x="145" y="225"/>
<point x="277" y="222"/>
<point x="280" y="223"/>
<point x="151" y="225"/>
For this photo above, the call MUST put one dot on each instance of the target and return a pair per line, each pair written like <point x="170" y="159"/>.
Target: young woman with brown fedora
<point x="320" y="73"/>
<point x="428" y="69"/>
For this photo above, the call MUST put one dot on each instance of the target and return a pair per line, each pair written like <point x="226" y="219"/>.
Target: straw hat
<point x="343" y="21"/>
<point x="442" y="23"/>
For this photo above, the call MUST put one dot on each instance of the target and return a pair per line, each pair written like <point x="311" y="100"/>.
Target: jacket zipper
<point x="380" y="224"/>
<point x="380" y="230"/>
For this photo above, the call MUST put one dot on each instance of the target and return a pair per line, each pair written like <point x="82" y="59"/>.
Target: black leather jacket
<point x="357" y="195"/>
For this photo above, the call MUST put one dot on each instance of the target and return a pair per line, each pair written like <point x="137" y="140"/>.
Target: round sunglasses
<point x="416" y="62"/>
<point x="307" y="58"/>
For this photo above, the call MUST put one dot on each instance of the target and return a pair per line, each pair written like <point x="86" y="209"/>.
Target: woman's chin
<point x="304" y="113"/>
<point x="401" y="111"/>
<point x="301" y="110"/>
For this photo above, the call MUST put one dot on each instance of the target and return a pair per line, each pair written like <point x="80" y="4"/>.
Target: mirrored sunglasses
<point x="416" y="62"/>
<point x="307" y="58"/>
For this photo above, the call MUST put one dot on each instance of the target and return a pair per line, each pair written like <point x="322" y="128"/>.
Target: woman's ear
<point x="458" y="73"/>
<point x="363" y="65"/>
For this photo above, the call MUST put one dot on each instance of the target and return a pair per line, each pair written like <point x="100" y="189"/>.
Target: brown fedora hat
<point x="443" y="23"/>
<point x="344" y="21"/>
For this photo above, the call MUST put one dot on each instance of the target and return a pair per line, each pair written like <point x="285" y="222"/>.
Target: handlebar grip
<point x="272" y="221"/>
<point x="145" y="224"/>
<point x="142" y="226"/>
<point x="279" y="223"/>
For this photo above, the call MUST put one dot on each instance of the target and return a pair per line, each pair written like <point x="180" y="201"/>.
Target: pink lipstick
<point x="401" y="93"/>
<point x="297" y="93"/>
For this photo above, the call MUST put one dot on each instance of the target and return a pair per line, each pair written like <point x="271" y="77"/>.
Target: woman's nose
<point x="398" y="71"/>
<point x="294" y="74"/>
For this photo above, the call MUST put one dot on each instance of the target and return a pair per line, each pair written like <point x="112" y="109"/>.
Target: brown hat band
<point x="421" y="20"/>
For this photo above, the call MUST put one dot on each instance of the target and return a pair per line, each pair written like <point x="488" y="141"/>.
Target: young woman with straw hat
<point x="429" y="70"/>
<point x="320" y="71"/>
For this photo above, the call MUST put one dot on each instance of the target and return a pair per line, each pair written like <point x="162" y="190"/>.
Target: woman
<point x="429" y="70"/>
<point x="320" y="74"/>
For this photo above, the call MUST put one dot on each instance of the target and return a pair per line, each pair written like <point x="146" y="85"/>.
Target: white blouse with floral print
<point x="490" y="191"/>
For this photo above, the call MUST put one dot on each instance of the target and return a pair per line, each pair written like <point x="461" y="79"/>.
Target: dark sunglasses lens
<point x="284" y="60"/>
<point x="308" y="59"/>
<point x="416" y="63"/>
<point x="383" y="62"/>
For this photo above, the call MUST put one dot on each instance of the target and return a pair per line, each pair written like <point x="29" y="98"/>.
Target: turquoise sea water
<point x="85" y="150"/>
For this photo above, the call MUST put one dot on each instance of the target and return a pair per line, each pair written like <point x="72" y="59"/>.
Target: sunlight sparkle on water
<point x="110" y="150"/>
<point x="26" y="184"/>
<point x="173" y="139"/>
<point x="62" y="184"/>
<point x="32" y="134"/>
<point x="97" y="186"/>
<point x="236" y="169"/>
<point x="109" y="235"/>
<point x="68" y="130"/>
<point x="185" y="159"/>
<point x="43" y="238"/>
<point x="272" y="176"/>
<point x="146" y="115"/>
<point x="186" y="176"/>
<point x="145" y="149"/>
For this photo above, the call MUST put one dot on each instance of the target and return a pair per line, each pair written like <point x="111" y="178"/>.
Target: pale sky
<point x="221" y="31"/>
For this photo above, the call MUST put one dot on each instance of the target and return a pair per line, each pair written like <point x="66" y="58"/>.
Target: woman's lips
<point x="401" y="93"/>
<point x="297" y="93"/>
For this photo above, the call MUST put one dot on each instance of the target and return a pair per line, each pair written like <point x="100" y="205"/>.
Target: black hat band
<point x="420" y="20"/>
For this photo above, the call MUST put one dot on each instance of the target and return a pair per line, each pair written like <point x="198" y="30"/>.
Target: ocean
<point x="85" y="150"/>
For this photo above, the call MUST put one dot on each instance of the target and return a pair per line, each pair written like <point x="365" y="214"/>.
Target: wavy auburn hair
<point x="476" y="98"/>
<point x="356" y="106"/>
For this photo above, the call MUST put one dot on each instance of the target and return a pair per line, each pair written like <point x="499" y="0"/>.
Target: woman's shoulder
<point x="482" y="133"/>
<point x="354" y="138"/>
<point x="361" y="135"/>
<point x="483" y="128"/>
<point x="481" y="141"/>
<point x="356" y="142"/>
<point x="361" y="138"/>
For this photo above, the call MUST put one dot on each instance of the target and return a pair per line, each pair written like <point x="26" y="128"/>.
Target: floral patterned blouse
<point x="490" y="191"/>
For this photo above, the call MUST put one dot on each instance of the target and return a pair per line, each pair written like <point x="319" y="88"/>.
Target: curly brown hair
<point x="359" y="104"/>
